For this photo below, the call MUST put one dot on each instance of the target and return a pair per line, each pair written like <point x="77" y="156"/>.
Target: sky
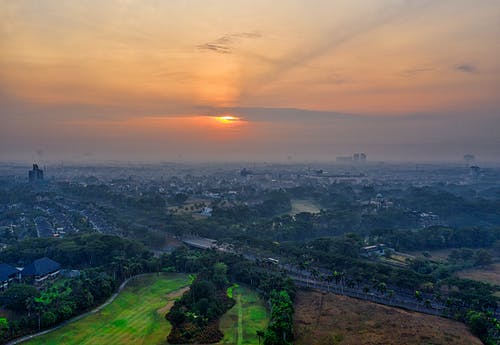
<point x="249" y="80"/>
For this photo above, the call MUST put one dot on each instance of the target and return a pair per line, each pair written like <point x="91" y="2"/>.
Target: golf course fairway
<point x="136" y="316"/>
<point x="241" y="323"/>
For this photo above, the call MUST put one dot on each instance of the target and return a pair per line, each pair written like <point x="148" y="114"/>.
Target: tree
<point x="220" y="275"/>
<point x="48" y="319"/>
<point x="482" y="258"/>
<point x="4" y="326"/>
<point x="280" y="330"/>
<point x="418" y="297"/>
<point x="260" y="334"/>
<point x="15" y="297"/>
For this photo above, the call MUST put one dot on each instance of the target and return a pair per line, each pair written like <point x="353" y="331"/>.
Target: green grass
<point x="241" y="323"/>
<point x="304" y="205"/>
<point x="132" y="318"/>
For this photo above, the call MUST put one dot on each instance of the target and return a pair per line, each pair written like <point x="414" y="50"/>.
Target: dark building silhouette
<point x="36" y="174"/>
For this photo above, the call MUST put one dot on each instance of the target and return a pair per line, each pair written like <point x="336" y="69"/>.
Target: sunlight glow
<point x="227" y="119"/>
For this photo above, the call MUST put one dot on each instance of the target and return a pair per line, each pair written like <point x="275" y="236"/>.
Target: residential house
<point x="40" y="270"/>
<point x="8" y="274"/>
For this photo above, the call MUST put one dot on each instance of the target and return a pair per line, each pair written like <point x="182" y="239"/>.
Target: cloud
<point x="337" y="37"/>
<point x="225" y="44"/>
<point x="466" y="68"/>
<point x="413" y="72"/>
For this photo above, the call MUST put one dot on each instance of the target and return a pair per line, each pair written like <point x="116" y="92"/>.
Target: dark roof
<point x="41" y="267"/>
<point x="6" y="271"/>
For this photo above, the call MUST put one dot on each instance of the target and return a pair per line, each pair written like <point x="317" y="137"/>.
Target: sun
<point x="227" y="119"/>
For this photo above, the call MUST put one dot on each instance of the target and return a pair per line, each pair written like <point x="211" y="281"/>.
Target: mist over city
<point x="250" y="172"/>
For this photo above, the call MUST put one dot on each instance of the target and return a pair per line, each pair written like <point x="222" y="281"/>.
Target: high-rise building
<point x="35" y="175"/>
<point x="469" y="159"/>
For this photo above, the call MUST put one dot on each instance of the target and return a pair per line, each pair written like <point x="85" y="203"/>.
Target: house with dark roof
<point x="8" y="274"/>
<point x="40" y="270"/>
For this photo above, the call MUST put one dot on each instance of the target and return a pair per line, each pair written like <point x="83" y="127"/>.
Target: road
<point x="397" y="298"/>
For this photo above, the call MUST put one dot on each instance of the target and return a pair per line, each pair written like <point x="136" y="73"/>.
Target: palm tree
<point x="418" y="297"/>
<point x="390" y="294"/>
<point x="315" y="274"/>
<point x="428" y="304"/>
<point x="381" y="287"/>
<point x="366" y="290"/>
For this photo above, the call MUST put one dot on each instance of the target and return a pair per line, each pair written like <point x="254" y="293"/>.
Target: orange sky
<point x="119" y="67"/>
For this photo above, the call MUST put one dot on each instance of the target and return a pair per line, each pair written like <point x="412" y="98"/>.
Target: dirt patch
<point x="490" y="274"/>
<point x="171" y="297"/>
<point x="322" y="319"/>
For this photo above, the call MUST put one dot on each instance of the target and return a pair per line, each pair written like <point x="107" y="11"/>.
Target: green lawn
<point x="132" y="318"/>
<point x="304" y="205"/>
<point x="242" y="321"/>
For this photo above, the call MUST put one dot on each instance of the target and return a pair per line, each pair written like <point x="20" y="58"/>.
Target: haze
<point x="146" y="80"/>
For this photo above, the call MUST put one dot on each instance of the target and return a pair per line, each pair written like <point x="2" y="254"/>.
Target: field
<point x="489" y="274"/>
<point x="244" y="319"/>
<point x="304" y="205"/>
<point x="136" y="316"/>
<point x="322" y="319"/>
<point x="436" y="255"/>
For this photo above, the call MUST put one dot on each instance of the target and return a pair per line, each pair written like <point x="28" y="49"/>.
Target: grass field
<point x="136" y="316"/>
<point x="328" y="319"/>
<point x="304" y="205"/>
<point x="489" y="274"/>
<point x="241" y="323"/>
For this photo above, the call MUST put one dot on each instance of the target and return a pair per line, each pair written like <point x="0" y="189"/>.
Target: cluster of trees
<point x="280" y="330"/>
<point x="484" y="325"/>
<point x="466" y="256"/>
<point x="194" y="316"/>
<point x="274" y="203"/>
<point x="274" y="286"/>
<point x="456" y="210"/>
<point x="77" y="250"/>
<point x="147" y="202"/>
<point x="59" y="302"/>
<point x="105" y="261"/>
<point x="437" y="237"/>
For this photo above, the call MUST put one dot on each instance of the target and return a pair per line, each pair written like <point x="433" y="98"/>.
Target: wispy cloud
<point x="413" y="72"/>
<point x="225" y="44"/>
<point x="466" y="68"/>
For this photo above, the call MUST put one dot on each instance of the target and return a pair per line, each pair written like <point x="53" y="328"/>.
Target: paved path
<point x="76" y="318"/>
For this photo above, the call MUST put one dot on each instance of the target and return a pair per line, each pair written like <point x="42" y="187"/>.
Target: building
<point x="8" y="274"/>
<point x="359" y="157"/>
<point x="206" y="212"/>
<point x="469" y="159"/>
<point x="378" y="249"/>
<point x="428" y="219"/>
<point x="475" y="172"/>
<point x="35" y="175"/>
<point x="40" y="270"/>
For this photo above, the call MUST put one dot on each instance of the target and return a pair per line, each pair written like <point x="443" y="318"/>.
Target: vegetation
<point x="246" y="319"/>
<point x="105" y="261"/>
<point x="135" y="316"/>
<point x="194" y="316"/>
<point x="280" y="330"/>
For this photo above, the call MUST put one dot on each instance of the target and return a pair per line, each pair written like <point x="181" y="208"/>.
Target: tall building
<point x="469" y="159"/>
<point x="35" y="175"/>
